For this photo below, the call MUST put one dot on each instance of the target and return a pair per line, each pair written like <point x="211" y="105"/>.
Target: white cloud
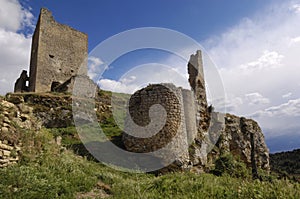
<point x="287" y="95"/>
<point x="142" y="75"/>
<point x="259" y="62"/>
<point x="288" y="109"/>
<point x="15" y="46"/>
<point x="256" y="99"/>
<point x="13" y="16"/>
<point x="295" y="40"/>
<point x="117" y="86"/>
<point x="229" y="104"/>
<point x="95" y="67"/>
<point x="267" y="60"/>
<point x="295" y="8"/>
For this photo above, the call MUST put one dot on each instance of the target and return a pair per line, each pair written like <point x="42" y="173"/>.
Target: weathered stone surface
<point x="5" y="153"/>
<point x="12" y="115"/>
<point x="6" y="147"/>
<point x="197" y="83"/>
<point x="206" y="134"/>
<point x="236" y="139"/>
<point x="3" y="161"/>
<point x="20" y="85"/>
<point x="57" y="53"/>
<point x="25" y="109"/>
<point x="173" y="135"/>
<point x="14" y="99"/>
<point x="4" y="130"/>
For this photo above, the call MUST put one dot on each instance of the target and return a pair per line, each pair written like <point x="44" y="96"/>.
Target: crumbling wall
<point x="197" y="83"/>
<point x="13" y="117"/>
<point x="8" y="154"/>
<point x="174" y="134"/>
<point x="202" y="135"/>
<point x="21" y="83"/>
<point x="58" y="51"/>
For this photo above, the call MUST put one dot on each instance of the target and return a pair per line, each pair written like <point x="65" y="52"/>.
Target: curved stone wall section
<point x="172" y="136"/>
<point x="169" y="97"/>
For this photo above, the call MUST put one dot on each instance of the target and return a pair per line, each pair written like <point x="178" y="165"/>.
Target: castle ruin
<point x="197" y="134"/>
<point x="57" y="52"/>
<point x="193" y="132"/>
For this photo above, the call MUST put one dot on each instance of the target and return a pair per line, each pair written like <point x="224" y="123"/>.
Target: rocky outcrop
<point x="244" y="139"/>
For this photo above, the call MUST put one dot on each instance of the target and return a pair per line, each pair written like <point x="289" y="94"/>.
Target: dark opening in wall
<point x="72" y="71"/>
<point x="51" y="56"/>
<point x="54" y="85"/>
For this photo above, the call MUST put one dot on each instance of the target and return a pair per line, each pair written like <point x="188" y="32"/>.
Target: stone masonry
<point x="15" y="117"/>
<point x="197" y="83"/>
<point x="198" y="135"/>
<point x="57" y="53"/>
<point x="20" y="85"/>
<point x="175" y="130"/>
<point x="8" y="154"/>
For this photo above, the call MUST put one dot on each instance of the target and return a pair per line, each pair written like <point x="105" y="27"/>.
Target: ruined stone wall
<point x="8" y="154"/>
<point x="13" y="117"/>
<point x="200" y="134"/>
<point x="57" y="53"/>
<point x="174" y="134"/>
<point x="34" y="57"/>
<point x="20" y="85"/>
<point x="197" y="83"/>
<point x="189" y="114"/>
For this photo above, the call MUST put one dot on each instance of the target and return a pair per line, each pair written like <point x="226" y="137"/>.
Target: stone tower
<point x="57" y="53"/>
<point x="196" y="80"/>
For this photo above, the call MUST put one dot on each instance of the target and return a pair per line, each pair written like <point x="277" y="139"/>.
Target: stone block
<point x="4" y="129"/>
<point x="6" y="153"/>
<point x="4" y="161"/>
<point x="6" y="147"/>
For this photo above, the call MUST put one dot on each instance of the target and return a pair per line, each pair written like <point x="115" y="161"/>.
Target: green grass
<point x="64" y="175"/>
<point x="49" y="171"/>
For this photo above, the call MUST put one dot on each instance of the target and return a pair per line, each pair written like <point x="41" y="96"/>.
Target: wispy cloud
<point x="142" y="75"/>
<point x="295" y="8"/>
<point x="295" y="40"/>
<point x="287" y="95"/>
<point x="256" y="99"/>
<point x="267" y="60"/>
<point x="289" y="109"/>
<point x="259" y="62"/>
<point x="95" y="67"/>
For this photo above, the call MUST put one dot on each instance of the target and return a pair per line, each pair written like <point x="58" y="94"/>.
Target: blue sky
<point x="102" y="19"/>
<point x="254" y="44"/>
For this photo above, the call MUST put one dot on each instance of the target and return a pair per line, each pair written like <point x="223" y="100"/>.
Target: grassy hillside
<point x="286" y="164"/>
<point x="49" y="170"/>
<point x="59" y="173"/>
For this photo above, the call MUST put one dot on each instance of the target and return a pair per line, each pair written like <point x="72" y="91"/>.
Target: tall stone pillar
<point x="196" y="80"/>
